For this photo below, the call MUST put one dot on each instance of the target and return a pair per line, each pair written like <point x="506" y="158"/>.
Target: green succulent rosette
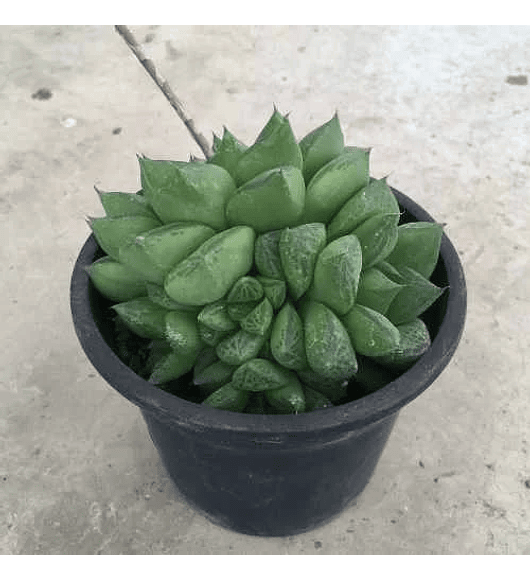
<point x="272" y="278"/>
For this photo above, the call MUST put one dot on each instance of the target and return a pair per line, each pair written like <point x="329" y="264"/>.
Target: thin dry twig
<point x="163" y="85"/>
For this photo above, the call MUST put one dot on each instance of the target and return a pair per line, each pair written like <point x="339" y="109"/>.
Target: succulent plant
<point x="270" y="278"/>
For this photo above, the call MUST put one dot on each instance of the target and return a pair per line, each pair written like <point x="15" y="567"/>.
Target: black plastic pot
<point x="273" y="475"/>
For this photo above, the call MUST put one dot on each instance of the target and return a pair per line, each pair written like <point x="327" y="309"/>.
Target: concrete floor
<point x="447" y="112"/>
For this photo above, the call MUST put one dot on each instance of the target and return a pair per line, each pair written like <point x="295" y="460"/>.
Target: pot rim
<point x="356" y="414"/>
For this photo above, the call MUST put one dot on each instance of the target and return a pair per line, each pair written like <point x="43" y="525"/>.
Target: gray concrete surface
<point x="447" y="111"/>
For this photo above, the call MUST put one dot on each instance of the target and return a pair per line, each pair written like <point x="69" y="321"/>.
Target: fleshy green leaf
<point x="417" y="246"/>
<point x="287" y="339"/>
<point x="414" y="298"/>
<point x="335" y="183"/>
<point x="214" y="375"/>
<point x="238" y="310"/>
<point x="334" y="390"/>
<point x="210" y="336"/>
<point x="267" y="254"/>
<point x="113" y="232"/>
<point x="227" y="398"/>
<point x="375" y="198"/>
<point x="143" y="317"/>
<point x="182" y="333"/>
<point x="414" y="342"/>
<point x="239" y="347"/>
<point x="378" y="237"/>
<point x="275" y="146"/>
<point x="275" y="290"/>
<point x="337" y="272"/>
<point x="258" y="320"/>
<point x="288" y="399"/>
<point x="315" y="400"/>
<point x="119" y="204"/>
<point x="170" y="367"/>
<point x="246" y="289"/>
<point x="370" y="332"/>
<point x="260" y="374"/>
<point x="299" y="248"/>
<point x="115" y="281"/>
<point x="216" y="317"/>
<point x="210" y="271"/>
<point x="328" y="348"/>
<point x="376" y="291"/>
<point x="155" y="252"/>
<point x="158" y="295"/>
<point x="273" y="199"/>
<point x="320" y="146"/>
<point x="228" y="151"/>
<point x="189" y="192"/>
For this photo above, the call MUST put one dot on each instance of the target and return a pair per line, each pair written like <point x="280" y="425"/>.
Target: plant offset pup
<point x="277" y="276"/>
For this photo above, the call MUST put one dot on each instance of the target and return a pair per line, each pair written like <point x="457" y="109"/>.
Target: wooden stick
<point x="163" y="85"/>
